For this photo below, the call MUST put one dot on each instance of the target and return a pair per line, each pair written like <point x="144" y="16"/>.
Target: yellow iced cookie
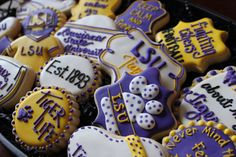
<point x="94" y="7"/>
<point x="34" y="53"/>
<point x="196" y="45"/>
<point x="45" y="118"/>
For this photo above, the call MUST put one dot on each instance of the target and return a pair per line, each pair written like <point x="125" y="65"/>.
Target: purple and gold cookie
<point x="44" y="119"/>
<point x="201" y="139"/>
<point x="149" y="16"/>
<point x="136" y="104"/>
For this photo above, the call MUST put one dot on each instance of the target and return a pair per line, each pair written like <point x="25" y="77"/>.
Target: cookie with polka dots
<point x="136" y="104"/>
<point x="82" y="143"/>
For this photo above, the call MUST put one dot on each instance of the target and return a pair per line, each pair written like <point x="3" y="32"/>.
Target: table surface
<point x="225" y="7"/>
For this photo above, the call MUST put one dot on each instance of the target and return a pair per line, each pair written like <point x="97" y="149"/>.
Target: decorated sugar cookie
<point x="15" y="80"/>
<point x="85" y="139"/>
<point x="86" y="40"/>
<point x="27" y="7"/>
<point x="44" y="119"/>
<point x="34" y="53"/>
<point x="10" y="27"/>
<point x="76" y="74"/>
<point x="43" y="22"/>
<point x="196" y="45"/>
<point x="201" y="139"/>
<point x="149" y="16"/>
<point x="211" y="98"/>
<point x="135" y="104"/>
<point x="94" y="7"/>
<point x="134" y="52"/>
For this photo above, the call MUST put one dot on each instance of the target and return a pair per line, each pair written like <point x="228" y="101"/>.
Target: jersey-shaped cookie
<point x="133" y="52"/>
<point x="135" y="104"/>
<point x="77" y="37"/>
<point x="82" y="144"/>
<point x="15" y="80"/>
<point x="211" y="98"/>
<point x="37" y="46"/>
<point x="201" y="139"/>
<point x="94" y="7"/>
<point x="149" y="16"/>
<point x="196" y="45"/>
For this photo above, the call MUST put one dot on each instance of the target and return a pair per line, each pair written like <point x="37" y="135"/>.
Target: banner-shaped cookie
<point x="211" y="98"/>
<point x="94" y="7"/>
<point x="10" y="27"/>
<point x="149" y="16"/>
<point x="135" y="104"/>
<point x="15" y="80"/>
<point x="84" y="40"/>
<point x="134" y="52"/>
<point x="196" y="45"/>
<point x="82" y="144"/>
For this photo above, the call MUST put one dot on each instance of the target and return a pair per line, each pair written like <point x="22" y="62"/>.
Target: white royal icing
<point x="92" y="141"/>
<point x="135" y="105"/>
<point x="134" y="52"/>
<point x="217" y="104"/>
<point x="12" y="74"/>
<point x="100" y="21"/>
<point x="73" y="73"/>
<point x="109" y="115"/>
<point x="10" y="27"/>
<point x="86" y="40"/>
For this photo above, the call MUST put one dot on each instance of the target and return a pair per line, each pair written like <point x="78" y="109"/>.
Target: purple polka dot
<point x="127" y="101"/>
<point x="106" y="113"/>
<point x="137" y="82"/>
<point x="108" y="107"/>
<point x="146" y="121"/>
<point x="145" y="89"/>
<point x="111" y="115"/>
<point x="146" y="116"/>
<point x="152" y="121"/>
<point x="107" y="120"/>
<point x="143" y="82"/>
<point x="156" y="89"/>
<point x="130" y="112"/>
<point x="132" y="105"/>
<point x="140" y="121"/>
<point x="113" y="123"/>
<point x="137" y="89"/>
<point x="150" y="90"/>
<point x="139" y="102"/>
<point x="138" y="109"/>
<point x="149" y="108"/>
<point x="128" y="95"/>
<point x="150" y="95"/>
<point x="153" y="85"/>
<point x="103" y="105"/>
<point x="134" y="98"/>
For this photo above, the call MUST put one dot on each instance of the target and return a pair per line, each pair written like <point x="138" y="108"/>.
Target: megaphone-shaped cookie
<point x="91" y="141"/>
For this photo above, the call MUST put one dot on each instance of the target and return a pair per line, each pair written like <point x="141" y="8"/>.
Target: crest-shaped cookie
<point x="83" y="140"/>
<point x="196" y="45"/>
<point x="135" y="104"/>
<point x="133" y="52"/>
<point x="211" y="98"/>
<point x="149" y="16"/>
<point x="94" y="7"/>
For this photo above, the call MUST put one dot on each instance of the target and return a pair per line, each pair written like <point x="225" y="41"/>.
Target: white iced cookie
<point x="10" y="27"/>
<point x="76" y="74"/>
<point x="133" y="52"/>
<point x="87" y="36"/>
<point x="211" y="98"/>
<point x="84" y="141"/>
<point x="100" y="21"/>
<point x="16" y="80"/>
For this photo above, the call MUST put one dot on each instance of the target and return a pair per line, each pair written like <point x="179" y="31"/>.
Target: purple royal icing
<point x="4" y="43"/>
<point x="163" y="121"/>
<point x="141" y="14"/>
<point x="45" y="19"/>
<point x="202" y="140"/>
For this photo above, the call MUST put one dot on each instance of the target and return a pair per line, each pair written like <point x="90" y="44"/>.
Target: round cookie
<point x="10" y="27"/>
<point x="211" y="98"/>
<point x="44" y="119"/>
<point x="76" y="74"/>
<point x="202" y="139"/>
<point x="83" y="141"/>
<point x="16" y="80"/>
